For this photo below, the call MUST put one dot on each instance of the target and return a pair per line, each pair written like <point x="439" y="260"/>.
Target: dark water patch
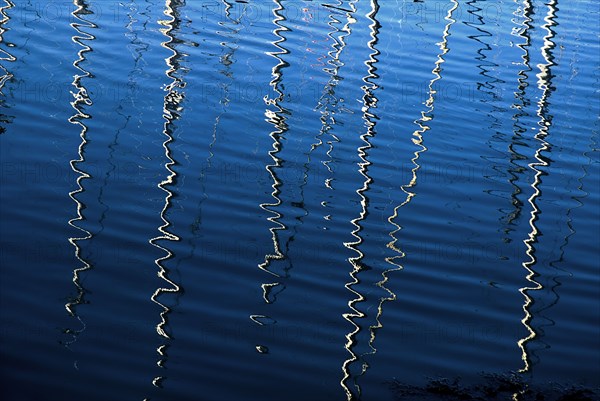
<point x="493" y="387"/>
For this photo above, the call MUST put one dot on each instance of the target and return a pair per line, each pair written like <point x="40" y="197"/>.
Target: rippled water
<point x="298" y="200"/>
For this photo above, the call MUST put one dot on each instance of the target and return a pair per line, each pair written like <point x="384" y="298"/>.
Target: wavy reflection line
<point x="328" y="103"/>
<point x="418" y="140"/>
<point x="491" y="102"/>
<point x="538" y="168"/>
<point x="137" y="48"/>
<point x="5" y="74"/>
<point x="172" y="110"/>
<point x="521" y="103"/>
<point x="277" y="118"/>
<point x="81" y="99"/>
<point x="488" y="85"/>
<point x="5" y="55"/>
<point x="272" y="290"/>
<point x="485" y="65"/>
<point x="569" y="223"/>
<point x="370" y="119"/>
<point x="227" y="60"/>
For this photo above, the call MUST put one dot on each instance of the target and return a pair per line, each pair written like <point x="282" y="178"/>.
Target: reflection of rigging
<point x="538" y="168"/>
<point x="5" y="55"/>
<point x="370" y="119"/>
<point x="521" y="106"/>
<point x="278" y="119"/>
<point x="328" y="102"/>
<point x="422" y="123"/>
<point x="418" y="139"/>
<point x="5" y="74"/>
<point x="227" y="60"/>
<point x="488" y="83"/>
<point x="137" y="48"/>
<point x="81" y="99"/>
<point x="230" y="45"/>
<point x="172" y="110"/>
<point x="281" y="245"/>
<point x="484" y="62"/>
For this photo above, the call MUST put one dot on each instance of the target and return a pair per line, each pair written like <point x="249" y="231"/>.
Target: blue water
<point x="298" y="200"/>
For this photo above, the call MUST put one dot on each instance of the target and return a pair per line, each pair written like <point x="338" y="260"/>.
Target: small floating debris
<point x="263" y="320"/>
<point x="262" y="349"/>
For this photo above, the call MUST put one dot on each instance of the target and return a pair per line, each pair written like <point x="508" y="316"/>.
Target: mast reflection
<point x="486" y="65"/>
<point x="538" y="167"/>
<point x="370" y="100"/>
<point x="5" y="74"/>
<point x="328" y="102"/>
<point x="423" y="124"/>
<point x="230" y="45"/>
<point x="172" y="111"/>
<point x="277" y="116"/>
<point x="81" y="99"/>
<point x="521" y="104"/>
<point x="5" y="55"/>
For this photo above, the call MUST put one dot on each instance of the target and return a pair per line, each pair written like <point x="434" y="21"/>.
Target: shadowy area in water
<point x="492" y="387"/>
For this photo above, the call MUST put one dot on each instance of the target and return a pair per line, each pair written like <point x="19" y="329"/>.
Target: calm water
<point x="298" y="200"/>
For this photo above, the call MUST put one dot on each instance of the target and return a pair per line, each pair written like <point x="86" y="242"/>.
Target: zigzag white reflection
<point x="417" y="139"/>
<point x="369" y="102"/>
<point x="522" y="31"/>
<point x="545" y="122"/>
<point x="171" y="111"/>
<point x="426" y="117"/>
<point x="328" y="102"/>
<point x="278" y="119"/>
<point x="4" y="55"/>
<point x="81" y="99"/>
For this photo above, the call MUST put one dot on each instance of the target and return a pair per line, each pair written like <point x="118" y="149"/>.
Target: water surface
<point x="299" y="200"/>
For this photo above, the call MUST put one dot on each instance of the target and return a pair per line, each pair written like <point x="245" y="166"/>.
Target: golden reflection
<point x="5" y="55"/>
<point x="370" y="119"/>
<point x="81" y="99"/>
<point x="537" y="167"/>
<point x="172" y="110"/>
<point x="277" y="117"/>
